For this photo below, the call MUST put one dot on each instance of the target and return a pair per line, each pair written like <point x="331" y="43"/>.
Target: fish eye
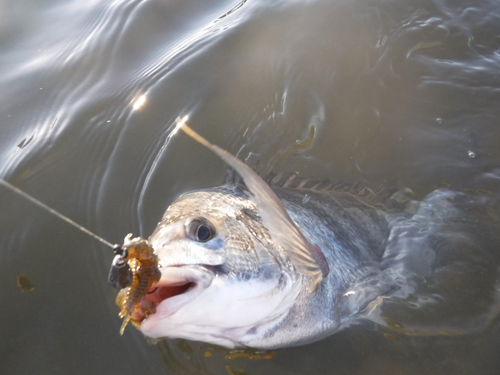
<point x="200" y="230"/>
<point x="203" y="233"/>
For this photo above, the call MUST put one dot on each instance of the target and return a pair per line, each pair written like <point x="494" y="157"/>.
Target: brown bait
<point x="134" y="270"/>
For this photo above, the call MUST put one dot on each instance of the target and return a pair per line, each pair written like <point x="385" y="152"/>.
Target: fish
<point x="254" y="264"/>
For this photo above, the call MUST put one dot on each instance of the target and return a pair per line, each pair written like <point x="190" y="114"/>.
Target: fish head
<point x="233" y="266"/>
<point x="223" y="280"/>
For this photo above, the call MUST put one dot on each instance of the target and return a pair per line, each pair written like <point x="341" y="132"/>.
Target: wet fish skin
<point x="350" y="232"/>
<point x="352" y="235"/>
<point x="279" y="274"/>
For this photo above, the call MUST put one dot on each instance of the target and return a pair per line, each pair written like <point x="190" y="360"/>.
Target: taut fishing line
<point x="54" y="212"/>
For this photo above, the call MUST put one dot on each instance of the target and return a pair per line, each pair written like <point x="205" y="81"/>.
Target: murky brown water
<point x="395" y="90"/>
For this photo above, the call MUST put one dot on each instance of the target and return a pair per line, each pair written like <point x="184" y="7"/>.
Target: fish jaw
<point x="216" y="308"/>
<point x="178" y="285"/>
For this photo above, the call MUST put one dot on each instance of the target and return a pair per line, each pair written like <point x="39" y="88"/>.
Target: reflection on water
<point x="394" y="90"/>
<point x="182" y="356"/>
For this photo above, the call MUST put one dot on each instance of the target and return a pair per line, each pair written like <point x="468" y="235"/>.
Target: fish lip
<point x="196" y="278"/>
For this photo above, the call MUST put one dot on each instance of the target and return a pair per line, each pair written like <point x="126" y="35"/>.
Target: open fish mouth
<point x="178" y="286"/>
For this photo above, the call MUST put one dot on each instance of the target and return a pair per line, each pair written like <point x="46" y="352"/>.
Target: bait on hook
<point x="134" y="268"/>
<point x="120" y="274"/>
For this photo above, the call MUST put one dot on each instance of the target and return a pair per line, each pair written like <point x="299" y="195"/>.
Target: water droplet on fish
<point x="306" y="199"/>
<point x="472" y="154"/>
<point x="439" y="120"/>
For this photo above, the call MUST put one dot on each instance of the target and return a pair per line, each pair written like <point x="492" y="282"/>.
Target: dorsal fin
<point x="379" y="195"/>
<point x="235" y="182"/>
<point x="307" y="259"/>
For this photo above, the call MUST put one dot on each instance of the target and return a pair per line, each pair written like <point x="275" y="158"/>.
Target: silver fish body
<point x="244" y="256"/>
<point x="275" y="265"/>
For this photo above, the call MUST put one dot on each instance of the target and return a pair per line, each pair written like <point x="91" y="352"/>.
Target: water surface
<point x="395" y="90"/>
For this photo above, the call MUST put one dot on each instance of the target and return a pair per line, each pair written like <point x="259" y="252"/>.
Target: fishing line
<point x="116" y="248"/>
<point x="52" y="211"/>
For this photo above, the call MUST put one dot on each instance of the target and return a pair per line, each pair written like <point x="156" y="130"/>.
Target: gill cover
<point x="307" y="259"/>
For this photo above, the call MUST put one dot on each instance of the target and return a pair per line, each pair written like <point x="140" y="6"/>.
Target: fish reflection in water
<point x="263" y="267"/>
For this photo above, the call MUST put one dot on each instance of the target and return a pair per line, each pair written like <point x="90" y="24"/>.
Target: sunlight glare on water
<point x="139" y="102"/>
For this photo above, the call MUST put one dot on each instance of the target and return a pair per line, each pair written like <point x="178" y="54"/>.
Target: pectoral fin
<point x="306" y="258"/>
